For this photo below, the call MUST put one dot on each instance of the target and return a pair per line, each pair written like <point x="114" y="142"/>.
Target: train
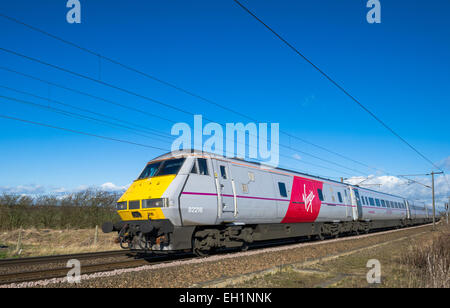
<point x="202" y="202"/>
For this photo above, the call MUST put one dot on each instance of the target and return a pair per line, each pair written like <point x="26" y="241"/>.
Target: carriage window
<point x="339" y="197"/>
<point x="223" y="172"/>
<point x="202" y="166"/>
<point x="388" y="204"/>
<point x="171" y="166"/>
<point x="150" y="170"/>
<point x="319" y="192"/>
<point x="282" y="188"/>
<point x="194" y="168"/>
<point x="363" y="200"/>
<point x="371" y="201"/>
<point x="377" y="202"/>
<point x="383" y="204"/>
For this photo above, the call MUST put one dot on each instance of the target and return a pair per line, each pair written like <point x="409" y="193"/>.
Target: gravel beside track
<point x="194" y="271"/>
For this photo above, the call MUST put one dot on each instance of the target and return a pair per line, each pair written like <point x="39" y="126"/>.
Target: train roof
<point x="260" y="165"/>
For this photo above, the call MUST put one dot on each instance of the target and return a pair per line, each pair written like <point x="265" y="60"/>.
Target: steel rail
<point x="61" y="258"/>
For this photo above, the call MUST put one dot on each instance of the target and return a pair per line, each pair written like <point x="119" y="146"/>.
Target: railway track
<point x="134" y="260"/>
<point x="62" y="258"/>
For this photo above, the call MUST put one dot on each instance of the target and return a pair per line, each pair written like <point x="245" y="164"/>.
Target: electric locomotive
<point x="199" y="202"/>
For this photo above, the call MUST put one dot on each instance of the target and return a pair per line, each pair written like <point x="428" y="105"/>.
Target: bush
<point x="430" y="264"/>
<point x="84" y="209"/>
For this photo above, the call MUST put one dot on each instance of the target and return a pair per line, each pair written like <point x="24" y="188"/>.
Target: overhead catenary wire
<point x="414" y="181"/>
<point x="79" y="132"/>
<point x="111" y="124"/>
<point x="146" y="97"/>
<point x="146" y="113"/>
<point x="80" y="116"/>
<point x="113" y="139"/>
<point x="335" y="83"/>
<point x="178" y="88"/>
<point x="118" y="122"/>
<point x="100" y="57"/>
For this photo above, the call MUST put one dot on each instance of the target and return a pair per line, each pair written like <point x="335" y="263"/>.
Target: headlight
<point x="121" y="205"/>
<point x="162" y="202"/>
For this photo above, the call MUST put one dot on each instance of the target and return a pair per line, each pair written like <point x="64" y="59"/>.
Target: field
<point x="418" y="261"/>
<point x="45" y="225"/>
<point x="412" y="257"/>
<point x="84" y="209"/>
<point x="41" y="242"/>
<point x="331" y="263"/>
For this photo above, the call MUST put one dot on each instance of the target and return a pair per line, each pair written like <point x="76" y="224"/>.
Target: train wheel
<point x="199" y="250"/>
<point x="244" y="246"/>
<point x="141" y="241"/>
<point x="124" y="244"/>
<point x="320" y="236"/>
<point x="200" y="253"/>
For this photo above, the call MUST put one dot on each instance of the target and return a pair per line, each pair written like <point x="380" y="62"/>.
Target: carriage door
<point x="226" y="191"/>
<point x="347" y="202"/>
<point x="356" y="200"/>
<point x="408" y="209"/>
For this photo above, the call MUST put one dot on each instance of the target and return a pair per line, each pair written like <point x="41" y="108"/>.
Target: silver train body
<point x="198" y="201"/>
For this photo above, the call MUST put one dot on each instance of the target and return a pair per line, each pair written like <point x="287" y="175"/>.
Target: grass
<point x="288" y="277"/>
<point x="429" y="263"/>
<point x="42" y="242"/>
<point x="420" y="261"/>
<point x="3" y="253"/>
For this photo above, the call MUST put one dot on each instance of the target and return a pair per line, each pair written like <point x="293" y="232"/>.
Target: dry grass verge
<point x="43" y="242"/>
<point x="417" y="260"/>
<point x="429" y="262"/>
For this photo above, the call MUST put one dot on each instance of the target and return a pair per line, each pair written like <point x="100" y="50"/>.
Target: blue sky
<point x="399" y="69"/>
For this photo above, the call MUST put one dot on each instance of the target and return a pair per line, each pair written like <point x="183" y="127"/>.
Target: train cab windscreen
<point x="165" y="167"/>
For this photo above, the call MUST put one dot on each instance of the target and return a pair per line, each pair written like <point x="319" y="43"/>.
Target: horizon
<point x="398" y="68"/>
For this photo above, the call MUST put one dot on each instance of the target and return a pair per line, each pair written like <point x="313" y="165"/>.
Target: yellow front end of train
<point x="144" y="199"/>
<point x="143" y="224"/>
